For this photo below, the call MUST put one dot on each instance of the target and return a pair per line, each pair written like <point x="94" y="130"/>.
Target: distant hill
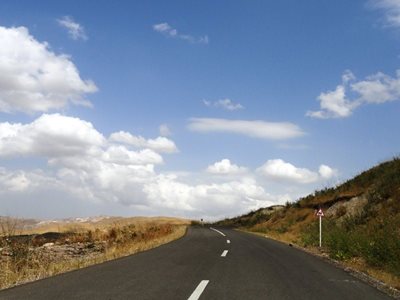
<point x="361" y="225"/>
<point x="34" y="226"/>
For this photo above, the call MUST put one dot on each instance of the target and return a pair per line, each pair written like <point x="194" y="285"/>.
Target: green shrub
<point x="382" y="247"/>
<point x="378" y="242"/>
<point x="310" y="235"/>
<point x="339" y="242"/>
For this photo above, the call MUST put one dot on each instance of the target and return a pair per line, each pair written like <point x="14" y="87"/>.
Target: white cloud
<point x="225" y="167"/>
<point x="50" y="136"/>
<point x="215" y="200"/>
<point x="75" y="30"/>
<point x="164" y="28"/>
<point x="327" y="172"/>
<point x="348" y="76"/>
<point x="81" y="160"/>
<point x="159" y="144"/>
<point x="333" y="105"/>
<point x="34" y="79"/>
<point x="14" y="181"/>
<point x="84" y="165"/>
<point x="164" y="130"/>
<point x="281" y="171"/>
<point x="19" y="182"/>
<point x="255" y="129"/>
<point x="224" y="103"/>
<point x="64" y="139"/>
<point x="391" y="9"/>
<point x="167" y="30"/>
<point x="378" y="88"/>
<point x="122" y="156"/>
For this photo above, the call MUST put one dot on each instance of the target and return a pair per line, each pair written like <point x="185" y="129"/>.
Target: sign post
<point x="320" y="214"/>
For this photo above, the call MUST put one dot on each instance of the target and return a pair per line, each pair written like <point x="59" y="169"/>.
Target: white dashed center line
<point x="228" y="241"/>
<point x="216" y="230"/>
<point x="224" y="253"/>
<point x="199" y="290"/>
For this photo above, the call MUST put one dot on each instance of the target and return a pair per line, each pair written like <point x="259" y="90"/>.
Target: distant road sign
<point x="320" y="213"/>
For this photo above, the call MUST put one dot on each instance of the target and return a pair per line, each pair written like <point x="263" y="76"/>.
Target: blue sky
<point x="191" y="108"/>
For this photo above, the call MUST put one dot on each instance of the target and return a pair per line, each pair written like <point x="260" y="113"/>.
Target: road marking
<point x="228" y="241"/>
<point x="216" y="230"/>
<point x="199" y="290"/>
<point x="224" y="253"/>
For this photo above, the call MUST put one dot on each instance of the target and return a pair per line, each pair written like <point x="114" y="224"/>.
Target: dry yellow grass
<point x="360" y="265"/>
<point x="120" y="238"/>
<point x="102" y="224"/>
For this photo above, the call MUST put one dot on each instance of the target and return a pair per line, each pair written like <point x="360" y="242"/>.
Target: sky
<point x="197" y="109"/>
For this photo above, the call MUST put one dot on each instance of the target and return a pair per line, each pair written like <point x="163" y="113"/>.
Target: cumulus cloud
<point x="255" y="129"/>
<point x="279" y="170"/>
<point x="81" y="160"/>
<point x="85" y="165"/>
<point x="209" y="199"/>
<point x="334" y="105"/>
<point x="75" y="30"/>
<point x="49" y="136"/>
<point x="159" y="144"/>
<point x="167" y="30"/>
<point x="225" y="167"/>
<point x="374" y="89"/>
<point x="391" y="10"/>
<point x="68" y="141"/>
<point x="327" y="172"/>
<point x="122" y="156"/>
<point x="226" y="104"/>
<point x="35" y="79"/>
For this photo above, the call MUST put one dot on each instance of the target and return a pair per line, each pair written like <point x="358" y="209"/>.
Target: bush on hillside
<point x="377" y="242"/>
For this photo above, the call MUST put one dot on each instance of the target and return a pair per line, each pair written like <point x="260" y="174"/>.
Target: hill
<point x="361" y="226"/>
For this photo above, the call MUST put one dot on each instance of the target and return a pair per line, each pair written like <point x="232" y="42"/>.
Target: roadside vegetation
<point x="28" y="255"/>
<point x="361" y="226"/>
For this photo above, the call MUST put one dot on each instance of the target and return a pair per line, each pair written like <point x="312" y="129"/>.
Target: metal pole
<point x="320" y="231"/>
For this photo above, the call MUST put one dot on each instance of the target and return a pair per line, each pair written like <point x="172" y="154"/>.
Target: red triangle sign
<point x="320" y="213"/>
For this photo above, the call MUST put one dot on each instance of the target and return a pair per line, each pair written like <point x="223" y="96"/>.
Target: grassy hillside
<point x="361" y="226"/>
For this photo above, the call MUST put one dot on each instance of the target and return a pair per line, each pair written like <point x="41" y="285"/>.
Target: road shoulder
<point x="392" y="292"/>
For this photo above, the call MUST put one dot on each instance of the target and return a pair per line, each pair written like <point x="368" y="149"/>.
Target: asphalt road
<point x="204" y="265"/>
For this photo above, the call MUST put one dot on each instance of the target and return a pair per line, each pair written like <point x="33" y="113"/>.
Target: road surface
<point x="205" y="264"/>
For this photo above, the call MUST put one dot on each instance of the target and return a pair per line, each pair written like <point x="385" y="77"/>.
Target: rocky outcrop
<point x="349" y="208"/>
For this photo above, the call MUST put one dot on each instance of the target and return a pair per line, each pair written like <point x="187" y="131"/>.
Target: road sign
<point x="320" y="214"/>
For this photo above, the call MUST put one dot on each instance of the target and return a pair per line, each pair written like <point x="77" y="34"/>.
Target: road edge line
<point x="216" y="230"/>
